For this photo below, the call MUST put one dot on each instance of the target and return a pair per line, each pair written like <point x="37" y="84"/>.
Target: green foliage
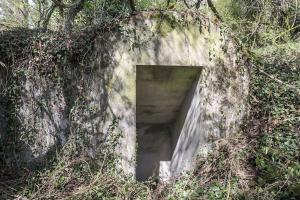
<point x="46" y="14"/>
<point x="278" y="156"/>
<point x="156" y="4"/>
<point x="277" y="102"/>
<point x="72" y="175"/>
<point x="261" y="22"/>
<point x="270" y="31"/>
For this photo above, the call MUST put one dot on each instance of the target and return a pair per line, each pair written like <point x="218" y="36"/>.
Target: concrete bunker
<point x="163" y="97"/>
<point x="155" y="47"/>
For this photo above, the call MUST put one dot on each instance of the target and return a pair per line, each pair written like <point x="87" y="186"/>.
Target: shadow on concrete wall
<point x="48" y="111"/>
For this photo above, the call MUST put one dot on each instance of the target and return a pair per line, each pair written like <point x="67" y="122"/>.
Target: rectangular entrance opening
<point x="162" y="95"/>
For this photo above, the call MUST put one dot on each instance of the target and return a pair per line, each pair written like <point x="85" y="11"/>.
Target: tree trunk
<point x="73" y="10"/>
<point x="25" y="12"/>
<point x="48" y="16"/>
<point x="132" y="6"/>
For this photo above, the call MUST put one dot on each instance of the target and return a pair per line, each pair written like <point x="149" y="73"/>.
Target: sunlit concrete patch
<point x="189" y="132"/>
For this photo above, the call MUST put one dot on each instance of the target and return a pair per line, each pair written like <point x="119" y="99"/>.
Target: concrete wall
<point x="82" y="104"/>
<point x="188" y="132"/>
<point x="161" y="90"/>
<point x="154" y="145"/>
<point x="223" y="83"/>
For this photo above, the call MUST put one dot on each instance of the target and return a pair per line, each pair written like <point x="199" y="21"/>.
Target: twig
<point x="228" y="185"/>
<point x="279" y="81"/>
<point x="213" y="8"/>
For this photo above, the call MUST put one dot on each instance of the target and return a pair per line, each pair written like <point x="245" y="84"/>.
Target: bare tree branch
<point x="48" y="16"/>
<point x="132" y="5"/>
<point x="73" y="10"/>
<point x="198" y="4"/>
<point x="190" y="4"/>
<point x="213" y="8"/>
<point x="291" y="87"/>
<point x="63" y="5"/>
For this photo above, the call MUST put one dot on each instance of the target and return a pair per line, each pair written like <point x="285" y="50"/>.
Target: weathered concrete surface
<point x="86" y="102"/>
<point x="223" y="83"/>
<point x="42" y="115"/>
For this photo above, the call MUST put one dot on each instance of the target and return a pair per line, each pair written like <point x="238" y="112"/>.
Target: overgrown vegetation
<point x="261" y="162"/>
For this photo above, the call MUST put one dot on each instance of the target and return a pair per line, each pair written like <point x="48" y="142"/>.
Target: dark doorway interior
<point x="160" y="93"/>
